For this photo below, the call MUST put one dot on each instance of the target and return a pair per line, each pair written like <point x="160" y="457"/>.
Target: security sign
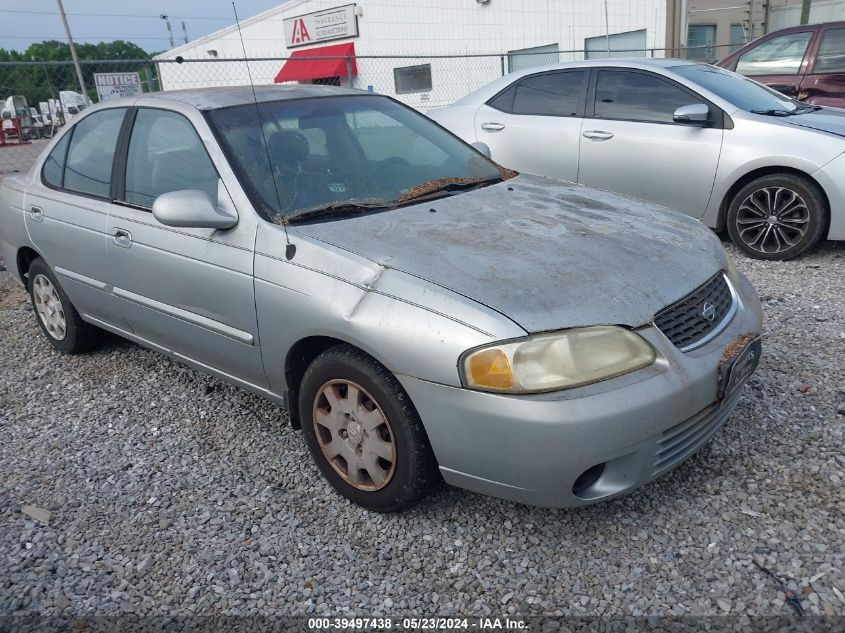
<point x="115" y="85"/>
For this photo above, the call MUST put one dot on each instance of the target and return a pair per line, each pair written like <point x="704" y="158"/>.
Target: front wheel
<point x="364" y="432"/>
<point x="779" y="216"/>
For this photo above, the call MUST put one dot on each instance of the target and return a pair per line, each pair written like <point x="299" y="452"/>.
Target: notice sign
<point x="114" y="85"/>
<point x="321" y="26"/>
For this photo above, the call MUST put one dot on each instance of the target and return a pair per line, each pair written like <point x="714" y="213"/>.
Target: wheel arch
<point x="299" y="357"/>
<point x="758" y="173"/>
<point x="25" y="257"/>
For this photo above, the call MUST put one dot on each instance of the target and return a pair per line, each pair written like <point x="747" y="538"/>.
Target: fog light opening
<point x="587" y="479"/>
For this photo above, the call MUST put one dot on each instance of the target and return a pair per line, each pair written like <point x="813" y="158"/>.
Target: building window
<point x="523" y="58"/>
<point x="700" y="41"/>
<point x="630" y="44"/>
<point x="738" y="39"/>
<point x="412" y="79"/>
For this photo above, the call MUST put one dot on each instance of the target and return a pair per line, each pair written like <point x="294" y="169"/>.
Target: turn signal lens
<point x="558" y="360"/>
<point x="490" y="368"/>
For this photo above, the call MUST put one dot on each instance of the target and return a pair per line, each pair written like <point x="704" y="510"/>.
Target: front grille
<point x="686" y="322"/>
<point x="682" y="440"/>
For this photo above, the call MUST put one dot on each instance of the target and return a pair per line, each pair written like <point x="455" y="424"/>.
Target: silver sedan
<point x="420" y="311"/>
<point x="694" y="138"/>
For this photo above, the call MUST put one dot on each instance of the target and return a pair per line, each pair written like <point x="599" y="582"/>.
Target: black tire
<point x="79" y="336"/>
<point x="800" y="206"/>
<point x="413" y="471"/>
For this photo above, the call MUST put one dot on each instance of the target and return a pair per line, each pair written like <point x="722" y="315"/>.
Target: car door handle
<point x="122" y="238"/>
<point x="36" y="213"/>
<point x="492" y="127"/>
<point x="597" y="135"/>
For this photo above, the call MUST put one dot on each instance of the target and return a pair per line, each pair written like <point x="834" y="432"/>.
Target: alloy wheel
<point x="772" y="220"/>
<point x="49" y="307"/>
<point x="354" y="435"/>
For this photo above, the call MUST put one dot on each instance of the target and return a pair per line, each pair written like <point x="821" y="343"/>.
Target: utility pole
<point x="169" y="30"/>
<point x="72" y="50"/>
<point x="683" y="27"/>
<point x="185" y="31"/>
<point x="805" y="11"/>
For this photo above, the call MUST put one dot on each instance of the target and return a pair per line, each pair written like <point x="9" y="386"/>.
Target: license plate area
<point x="739" y="361"/>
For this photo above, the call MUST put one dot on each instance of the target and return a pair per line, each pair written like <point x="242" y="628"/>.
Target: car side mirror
<point x="483" y="148"/>
<point x="696" y="113"/>
<point x="191" y="208"/>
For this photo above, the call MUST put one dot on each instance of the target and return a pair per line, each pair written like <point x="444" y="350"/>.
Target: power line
<point x="115" y="15"/>
<point x="39" y="38"/>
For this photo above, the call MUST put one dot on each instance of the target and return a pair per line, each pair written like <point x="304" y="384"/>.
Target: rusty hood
<point x="546" y="254"/>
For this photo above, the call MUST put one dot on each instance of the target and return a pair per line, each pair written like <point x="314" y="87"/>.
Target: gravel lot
<point x="15" y="158"/>
<point x="172" y="493"/>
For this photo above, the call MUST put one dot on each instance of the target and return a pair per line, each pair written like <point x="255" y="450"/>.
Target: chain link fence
<point x="39" y="97"/>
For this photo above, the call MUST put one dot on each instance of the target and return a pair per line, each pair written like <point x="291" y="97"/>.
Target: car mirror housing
<point x="694" y="113"/>
<point x="482" y="148"/>
<point x="191" y="208"/>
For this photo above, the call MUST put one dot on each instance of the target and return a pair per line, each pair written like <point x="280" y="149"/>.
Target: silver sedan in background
<point x="694" y="138"/>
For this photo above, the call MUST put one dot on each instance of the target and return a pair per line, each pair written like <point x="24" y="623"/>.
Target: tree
<point x="40" y="82"/>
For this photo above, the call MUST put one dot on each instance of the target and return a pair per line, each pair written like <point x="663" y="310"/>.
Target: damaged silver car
<point x="420" y="311"/>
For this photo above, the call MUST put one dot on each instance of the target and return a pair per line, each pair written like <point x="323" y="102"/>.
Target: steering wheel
<point x="384" y="171"/>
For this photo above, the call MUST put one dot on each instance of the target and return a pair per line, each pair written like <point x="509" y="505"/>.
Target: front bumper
<point x="831" y="177"/>
<point x="533" y="449"/>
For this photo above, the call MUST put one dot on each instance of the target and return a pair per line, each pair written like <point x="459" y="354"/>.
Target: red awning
<point x="296" y="69"/>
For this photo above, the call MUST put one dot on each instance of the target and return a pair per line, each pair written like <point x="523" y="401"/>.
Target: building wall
<point x="422" y="28"/>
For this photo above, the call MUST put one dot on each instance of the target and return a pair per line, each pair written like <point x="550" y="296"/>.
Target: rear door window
<point x="550" y="94"/>
<point x="91" y="153"/>
<point x="780" y="55"/>
<point x="166" y="154"/>
<point x="831" y="55"/>
<point x="54" y="166"/>
<point x="631" y="96"/>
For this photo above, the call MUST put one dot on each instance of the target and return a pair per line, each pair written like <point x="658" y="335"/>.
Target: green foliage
<point x="40" y="82"/>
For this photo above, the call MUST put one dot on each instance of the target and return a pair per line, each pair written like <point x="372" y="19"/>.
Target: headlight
<point x="559" y="360"/>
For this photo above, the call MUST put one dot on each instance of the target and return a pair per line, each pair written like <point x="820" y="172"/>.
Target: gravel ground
<point x="16" y="158"/>
<point x="170" y="492"/>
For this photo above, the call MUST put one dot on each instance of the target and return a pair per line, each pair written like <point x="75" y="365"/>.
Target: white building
<point x="408" y="48"/>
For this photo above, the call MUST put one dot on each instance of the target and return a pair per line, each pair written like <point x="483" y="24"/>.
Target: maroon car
<point x="804" y="62"/>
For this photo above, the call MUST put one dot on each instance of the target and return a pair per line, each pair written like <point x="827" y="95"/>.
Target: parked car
<point x="689" y="136"/>
<point x="804" y="62"/>
<point x="413" y="304"/>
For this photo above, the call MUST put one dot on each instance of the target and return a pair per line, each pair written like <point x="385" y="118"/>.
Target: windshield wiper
<point x="338" y="209"/>
<point x="444" y="185"/>
<point x="801" y="109"/>
<point x="774" y="112"/>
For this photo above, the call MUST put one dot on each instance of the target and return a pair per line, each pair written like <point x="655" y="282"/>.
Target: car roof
<point x="804" y="27"/>
<point x="214" y="98"/>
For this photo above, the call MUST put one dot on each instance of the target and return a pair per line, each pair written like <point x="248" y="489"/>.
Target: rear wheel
<point x="59" y="320"/>
<point x="363" y="431"/>
<point x="779" y="216"/>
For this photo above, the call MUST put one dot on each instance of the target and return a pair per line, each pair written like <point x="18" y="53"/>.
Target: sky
<point x="23" y="22"/>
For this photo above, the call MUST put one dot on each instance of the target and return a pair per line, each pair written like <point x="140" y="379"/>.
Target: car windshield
<point x="744" y="93"/>
<point x="328" y="155"/>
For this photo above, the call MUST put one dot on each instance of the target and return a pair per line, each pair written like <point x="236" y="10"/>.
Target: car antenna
<point x="290" y="248"/>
